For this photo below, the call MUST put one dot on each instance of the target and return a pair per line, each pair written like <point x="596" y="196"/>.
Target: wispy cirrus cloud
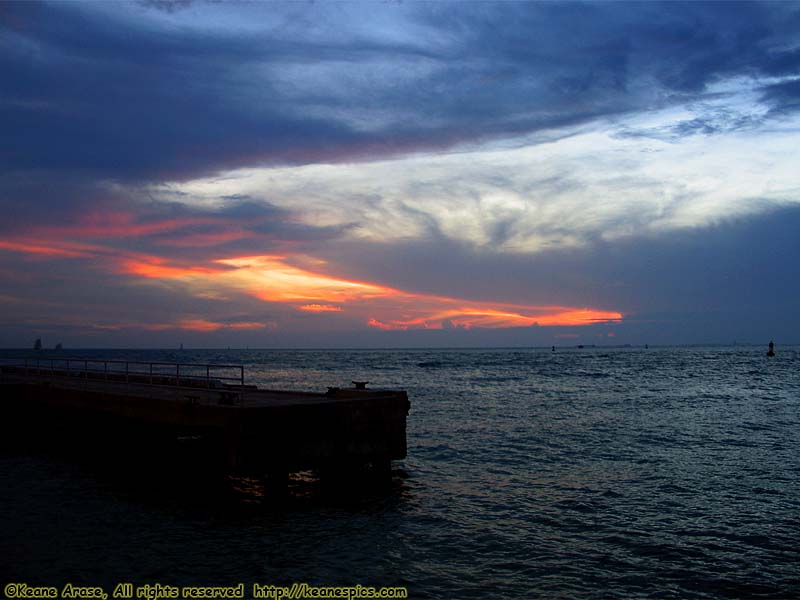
<point x="644" y="174"/>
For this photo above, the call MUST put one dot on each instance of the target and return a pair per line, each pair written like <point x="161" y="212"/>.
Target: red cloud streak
<point x="273" y="279"/>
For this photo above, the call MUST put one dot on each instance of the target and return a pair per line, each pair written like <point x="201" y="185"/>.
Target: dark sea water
<point x="584" y="473"/>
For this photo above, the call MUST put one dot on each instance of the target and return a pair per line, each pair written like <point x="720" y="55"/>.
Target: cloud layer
<point x="276" y="172"/>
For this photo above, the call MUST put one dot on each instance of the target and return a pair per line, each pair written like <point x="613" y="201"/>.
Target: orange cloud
<point x="64" y="250"/>
<point x="272" y="279"/>
<point x="318" y="308"/>
<point x="194" y="240"/>
<point x="277" y="279"/>
<point x="109" y="224"/>
<point x="189" y="324"/>
<point x="155" y="268"/>
<point x="199" y="325"/>
<point x="467" y="317"/>
<point x="64" y="241"/>
<point x="386" y="326"/>
<point x="143" y="265"/>
<point x="252" y="325"/>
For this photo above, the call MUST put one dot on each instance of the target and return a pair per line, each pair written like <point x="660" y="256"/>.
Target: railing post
<point x="178" y="374"/>
<point x="105" y="369"/>
<point x="151" y="373"/>
<point x="126" y="373"/>
<point x="241" y="383"/>
<point x="208" y="376"/>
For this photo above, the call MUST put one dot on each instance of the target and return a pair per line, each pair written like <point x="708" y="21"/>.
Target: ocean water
<point x="580" y="473"/>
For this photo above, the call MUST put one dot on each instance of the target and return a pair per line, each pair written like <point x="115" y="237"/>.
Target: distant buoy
<point x="554" y="349"/>
<point x="771" y="351"/>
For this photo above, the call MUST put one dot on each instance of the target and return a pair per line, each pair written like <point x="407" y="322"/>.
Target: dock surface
<point x="240" y="428"/>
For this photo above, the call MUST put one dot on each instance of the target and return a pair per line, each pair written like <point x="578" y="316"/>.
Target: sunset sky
<point x="399" y="174"/>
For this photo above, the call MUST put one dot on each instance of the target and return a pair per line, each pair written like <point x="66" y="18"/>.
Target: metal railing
<point x="162" y="374"/>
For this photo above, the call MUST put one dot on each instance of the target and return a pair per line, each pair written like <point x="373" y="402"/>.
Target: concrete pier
<point x="227" y="425"/>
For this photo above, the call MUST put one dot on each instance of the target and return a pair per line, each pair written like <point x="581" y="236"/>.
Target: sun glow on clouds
<point x="103" y="241"/>
<point x="190" y="324"/>
<point x="115" y="224"/>
<point x="62" y="250"/>
<point x="206" y="325"/>
<point x="271" y="279"/>
<point x="156" y="268"/>
<point x="320" y="308"/>
<point x="467" y="317"/>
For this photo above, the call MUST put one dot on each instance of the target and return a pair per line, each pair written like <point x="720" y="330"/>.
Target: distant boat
<point x="771" y="351"/>
<point x="37" y="345"/>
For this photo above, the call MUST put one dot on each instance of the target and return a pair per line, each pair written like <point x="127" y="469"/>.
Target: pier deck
<point x="237" y="427"/>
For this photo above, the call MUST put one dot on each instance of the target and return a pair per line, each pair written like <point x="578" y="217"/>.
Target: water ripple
<point x="586" y="473"/>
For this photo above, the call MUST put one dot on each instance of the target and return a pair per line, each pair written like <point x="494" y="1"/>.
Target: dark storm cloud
<point x="35" y="197"/>
<point x="85" y="92"/>
<point x="784" y="97"/>
<point x="100" y="92"/>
